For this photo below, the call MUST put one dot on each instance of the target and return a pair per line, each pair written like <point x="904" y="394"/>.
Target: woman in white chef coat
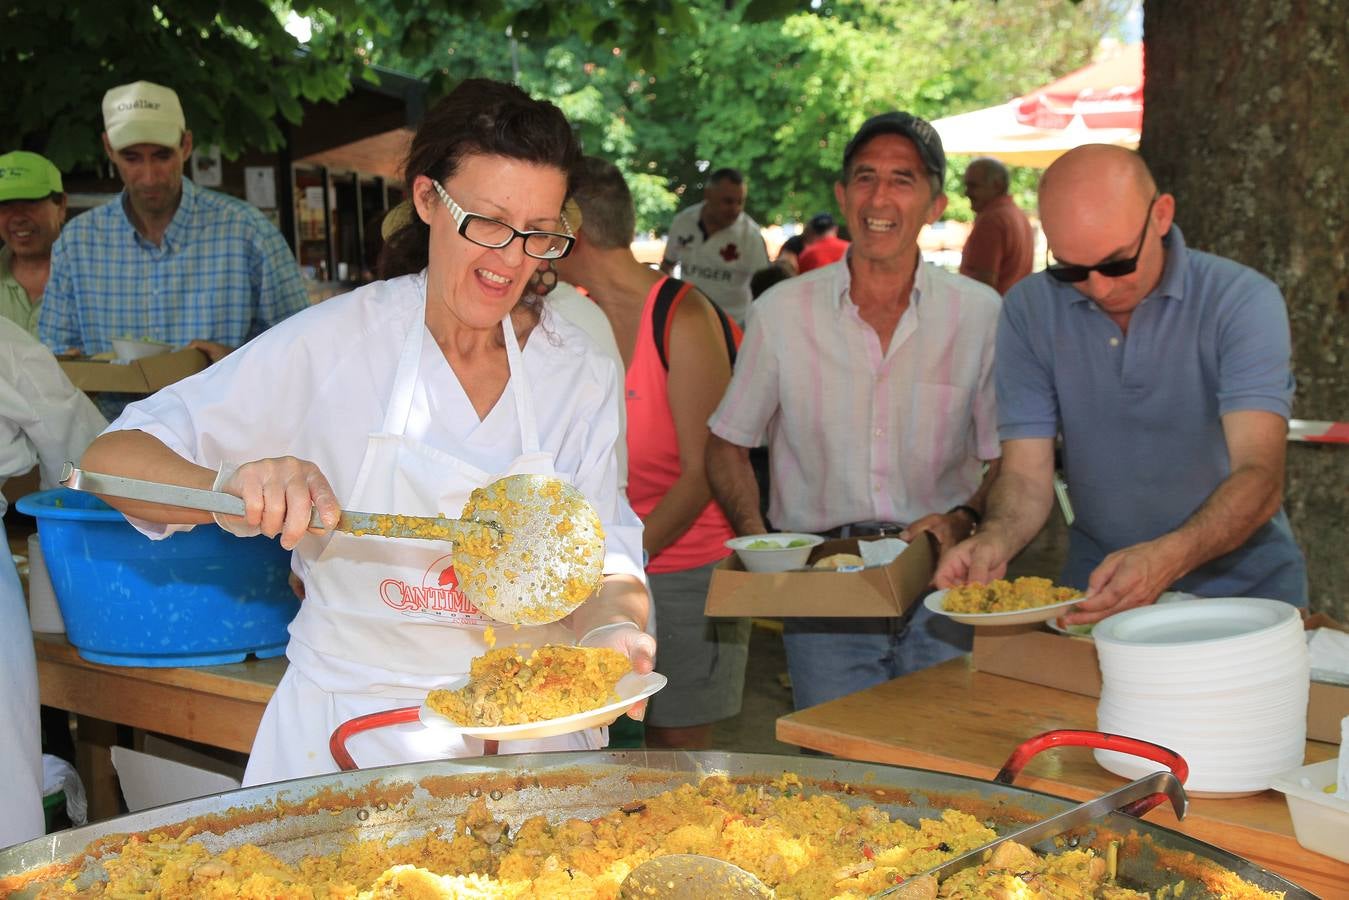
<point x="403" y="396"/>
<point x="45" y="420"/>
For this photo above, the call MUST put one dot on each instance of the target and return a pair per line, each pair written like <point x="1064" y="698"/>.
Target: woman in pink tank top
<point x="675" y="348"/>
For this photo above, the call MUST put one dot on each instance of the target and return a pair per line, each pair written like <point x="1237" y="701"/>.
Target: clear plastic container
<point x="1320" y="819"/>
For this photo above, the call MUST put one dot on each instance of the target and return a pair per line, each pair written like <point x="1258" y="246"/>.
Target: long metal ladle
<point x="527" y="549"/>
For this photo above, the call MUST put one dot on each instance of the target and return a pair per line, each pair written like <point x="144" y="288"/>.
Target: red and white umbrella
<point x="1099" y="104"/>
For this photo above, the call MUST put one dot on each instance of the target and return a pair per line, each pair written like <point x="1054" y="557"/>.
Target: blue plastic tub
<point x="200" y="598"/>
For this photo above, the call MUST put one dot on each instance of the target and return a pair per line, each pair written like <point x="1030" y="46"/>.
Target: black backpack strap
<point x="728" y="331"/>
<point x="671" y="291"/>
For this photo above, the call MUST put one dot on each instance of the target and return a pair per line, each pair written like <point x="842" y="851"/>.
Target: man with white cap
<point x="169" y="260"/>
<point x="32" y="209"/>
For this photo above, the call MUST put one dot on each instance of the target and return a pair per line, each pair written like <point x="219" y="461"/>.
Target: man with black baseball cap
<point x="870" y="380"/>
<point x="32" y="210"/>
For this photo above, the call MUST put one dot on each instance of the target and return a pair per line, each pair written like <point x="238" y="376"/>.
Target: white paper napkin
<point x="883" y="552"/>
<point x="1328" y="650"/>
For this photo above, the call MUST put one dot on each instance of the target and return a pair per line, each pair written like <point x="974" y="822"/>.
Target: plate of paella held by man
<point x="1021" y="601"/>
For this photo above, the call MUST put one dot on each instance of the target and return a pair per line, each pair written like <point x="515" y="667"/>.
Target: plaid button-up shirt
<point x="223" y="274"/>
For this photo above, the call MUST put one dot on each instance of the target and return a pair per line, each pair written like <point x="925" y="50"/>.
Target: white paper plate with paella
<point x="519" y="695"/>
<point x="1018" y="602"/>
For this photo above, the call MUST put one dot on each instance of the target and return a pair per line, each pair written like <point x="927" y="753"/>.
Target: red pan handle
<point x="337" y="744"/>
<point x="1098" y="740"/>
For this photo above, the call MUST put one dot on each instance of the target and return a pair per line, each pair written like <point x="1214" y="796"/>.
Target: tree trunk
<point x="1246" y="121"/>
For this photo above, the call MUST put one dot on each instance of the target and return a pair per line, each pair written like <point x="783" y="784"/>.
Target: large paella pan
<point x="401" y="804"/>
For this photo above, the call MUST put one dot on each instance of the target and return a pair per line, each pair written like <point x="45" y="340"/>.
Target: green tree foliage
<point x="668" y="90"/>
<point x="776" y="97"/>
<point x="236" y="70"/>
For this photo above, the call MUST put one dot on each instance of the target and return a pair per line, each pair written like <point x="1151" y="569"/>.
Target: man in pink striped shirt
<point x="870" y="381"/>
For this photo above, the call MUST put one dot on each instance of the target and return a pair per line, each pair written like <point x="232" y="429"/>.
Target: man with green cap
<point x="32" y="210"/>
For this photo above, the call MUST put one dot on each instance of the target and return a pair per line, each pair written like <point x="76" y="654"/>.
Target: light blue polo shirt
<point x="1140" y="414"/>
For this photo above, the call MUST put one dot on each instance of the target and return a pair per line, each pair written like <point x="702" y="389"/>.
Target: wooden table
<point x="216" y="705"/>
<point x="951" y="718"/>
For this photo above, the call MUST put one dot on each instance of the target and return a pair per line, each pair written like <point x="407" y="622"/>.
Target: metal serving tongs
<point x="684" y="876"/>
<point x="687" y="876"/>
<point x="528" y="549"/>
<point x="1157" y="783"/>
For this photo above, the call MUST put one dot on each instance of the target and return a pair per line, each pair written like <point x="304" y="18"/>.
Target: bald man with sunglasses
<point x="1167" y="373"/>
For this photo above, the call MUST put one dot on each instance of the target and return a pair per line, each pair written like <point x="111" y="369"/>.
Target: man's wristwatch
<point x="969" y="511"/>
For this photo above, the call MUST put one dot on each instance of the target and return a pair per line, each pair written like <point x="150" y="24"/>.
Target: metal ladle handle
<point x="78" y="479"/>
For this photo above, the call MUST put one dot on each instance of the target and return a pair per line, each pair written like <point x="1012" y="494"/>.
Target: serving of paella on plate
<point x="506" y="687"/>
<point x="1024" y="600"/>
<point x="555" y="689"/>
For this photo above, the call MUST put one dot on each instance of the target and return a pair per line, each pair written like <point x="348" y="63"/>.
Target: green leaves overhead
<point x="768" y="86"/>
<point x="233" y="64"/>
<point x="664" y="88"/>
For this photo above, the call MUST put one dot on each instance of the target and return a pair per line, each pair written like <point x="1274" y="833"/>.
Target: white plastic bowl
<point x="1320" y="819"/>
<point x="128" y="349"/>
<point x="777" y="558"/>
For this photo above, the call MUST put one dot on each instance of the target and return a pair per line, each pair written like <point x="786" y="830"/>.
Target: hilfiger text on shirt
<point x="706" y="272"/>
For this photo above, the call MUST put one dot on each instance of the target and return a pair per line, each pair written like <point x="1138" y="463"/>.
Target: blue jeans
<point x="828" y="658"/>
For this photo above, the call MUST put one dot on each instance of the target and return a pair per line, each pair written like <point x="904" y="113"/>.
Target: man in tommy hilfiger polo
<point x="168" y="260"/>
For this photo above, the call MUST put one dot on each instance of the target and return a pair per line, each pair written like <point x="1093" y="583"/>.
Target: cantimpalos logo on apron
<point x="437" y="597"/>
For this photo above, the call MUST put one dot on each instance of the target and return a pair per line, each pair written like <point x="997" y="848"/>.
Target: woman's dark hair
<point x="479" y="116"/>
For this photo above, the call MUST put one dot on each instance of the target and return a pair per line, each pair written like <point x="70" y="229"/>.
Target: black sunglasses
<point x="1115" y="268"/>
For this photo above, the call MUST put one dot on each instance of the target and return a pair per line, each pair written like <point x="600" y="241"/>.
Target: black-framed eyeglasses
<point x="1115" y="268"/>
<point x="488" y="232"/>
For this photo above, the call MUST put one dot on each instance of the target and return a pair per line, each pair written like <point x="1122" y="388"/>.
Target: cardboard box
<point x="168" y="772"/>
<point x="880" y="591"/>
<point x="1327" y="706"/>
<point x="141" y="376"/>
<point x="1030" y="653"/>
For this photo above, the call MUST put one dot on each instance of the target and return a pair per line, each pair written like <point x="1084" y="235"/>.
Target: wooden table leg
<point x="94" y="739"/>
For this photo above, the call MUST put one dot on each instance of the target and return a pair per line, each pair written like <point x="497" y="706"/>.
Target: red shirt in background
<point x="823" y="252"/>
<point x="1002" y="242"/>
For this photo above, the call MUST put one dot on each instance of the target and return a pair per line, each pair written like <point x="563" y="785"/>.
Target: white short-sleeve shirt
<point x="721" y="264"/>
<point x="316" y="386"/>
<point x="44" y="419"/>
<point x="857" y="432"/>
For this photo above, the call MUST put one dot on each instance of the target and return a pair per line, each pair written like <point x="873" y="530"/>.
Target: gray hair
<point x="994" y="170"/>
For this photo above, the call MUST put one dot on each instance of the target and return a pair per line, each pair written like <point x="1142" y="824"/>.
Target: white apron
<point x="20" y="738"/>
<point x="383" y="621"/>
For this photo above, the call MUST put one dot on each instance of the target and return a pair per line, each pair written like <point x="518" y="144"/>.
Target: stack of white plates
<point x="1222" y="681"/>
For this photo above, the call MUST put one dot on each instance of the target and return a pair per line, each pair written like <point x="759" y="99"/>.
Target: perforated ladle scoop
<point x="528" y="549"/>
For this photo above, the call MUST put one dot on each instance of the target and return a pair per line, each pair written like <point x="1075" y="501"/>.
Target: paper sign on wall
<point x="206" y="166"/>
<point x="260" y="186"/>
